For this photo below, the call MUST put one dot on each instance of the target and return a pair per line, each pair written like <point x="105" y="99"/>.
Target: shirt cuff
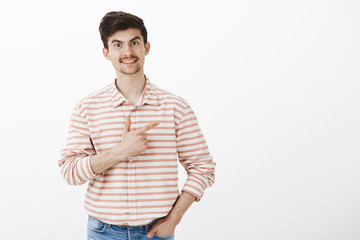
<point x="193" y="190"/>
<point x="87" y="170"/>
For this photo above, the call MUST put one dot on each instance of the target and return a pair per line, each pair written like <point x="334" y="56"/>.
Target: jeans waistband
<point x="146" y="227"/>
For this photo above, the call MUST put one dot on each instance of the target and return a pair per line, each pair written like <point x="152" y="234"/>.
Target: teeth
<point x="129" y="61"/>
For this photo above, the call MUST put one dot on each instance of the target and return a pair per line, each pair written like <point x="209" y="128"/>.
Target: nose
<point x="127" y="51"/>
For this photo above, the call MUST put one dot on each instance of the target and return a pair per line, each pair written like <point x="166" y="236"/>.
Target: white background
<point x="274" y="84"/>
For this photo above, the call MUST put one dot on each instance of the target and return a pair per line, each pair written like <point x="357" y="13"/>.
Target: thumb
<point x="127" y="124"/>
<point x="151" y="232"/>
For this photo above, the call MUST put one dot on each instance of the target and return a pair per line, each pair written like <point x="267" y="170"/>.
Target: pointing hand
<point x="134" y="142"/>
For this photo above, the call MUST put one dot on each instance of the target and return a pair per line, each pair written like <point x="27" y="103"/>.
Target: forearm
<point x="182" y="204"/>
<point x="106" y="159"/>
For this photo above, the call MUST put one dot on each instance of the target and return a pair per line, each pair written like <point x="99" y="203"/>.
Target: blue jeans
<point x="98" y="230"/>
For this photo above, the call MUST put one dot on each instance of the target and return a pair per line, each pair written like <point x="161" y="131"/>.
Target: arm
<point x="80" y="162"/>
<point x="75" y="157"/>
<point x="194" y="156"/>
<point x="106" y="159"/>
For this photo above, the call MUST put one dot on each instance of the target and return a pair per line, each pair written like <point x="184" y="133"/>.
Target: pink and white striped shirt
<point x="143" y="187"/>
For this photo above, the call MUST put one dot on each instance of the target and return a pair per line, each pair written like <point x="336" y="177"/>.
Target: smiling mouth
<point x="129" y="61"/>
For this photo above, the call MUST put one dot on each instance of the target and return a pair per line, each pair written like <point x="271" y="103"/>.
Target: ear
<point x="147" y="48"/>
<point x="106" y="53"/>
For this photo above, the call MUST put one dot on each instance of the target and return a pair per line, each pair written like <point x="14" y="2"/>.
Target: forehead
<point x="125" y="35"/>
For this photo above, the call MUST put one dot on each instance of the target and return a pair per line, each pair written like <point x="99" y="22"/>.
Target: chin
<point x="130" y="72"/>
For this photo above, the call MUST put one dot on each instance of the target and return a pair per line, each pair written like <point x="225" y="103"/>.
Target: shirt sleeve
<point x="194" y="155"/>
<point x="75" y="157"/>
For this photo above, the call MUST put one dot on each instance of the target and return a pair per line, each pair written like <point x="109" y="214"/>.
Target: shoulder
<point x="168" y="97"/>
<point x="97" y="97"/>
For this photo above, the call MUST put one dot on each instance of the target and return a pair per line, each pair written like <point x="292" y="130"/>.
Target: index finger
<point x="149" y="126"/>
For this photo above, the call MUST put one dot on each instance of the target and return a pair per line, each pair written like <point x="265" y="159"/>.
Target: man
<point x="126" y="138"/>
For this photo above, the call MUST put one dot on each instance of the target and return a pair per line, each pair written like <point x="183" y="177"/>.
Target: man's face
<point x="127" y="51"/>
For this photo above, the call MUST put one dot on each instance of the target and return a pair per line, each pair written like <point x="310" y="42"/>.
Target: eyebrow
<point x="135" y="38"/>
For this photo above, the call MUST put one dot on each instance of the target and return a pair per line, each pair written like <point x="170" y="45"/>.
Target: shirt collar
<point x="148" y="96"/>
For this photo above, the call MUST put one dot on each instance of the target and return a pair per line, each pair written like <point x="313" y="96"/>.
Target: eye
<point x="117" y="45"/>
<point x="135" y="43"/>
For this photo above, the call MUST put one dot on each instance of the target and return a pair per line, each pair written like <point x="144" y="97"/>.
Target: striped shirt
<point x="144" y="187"/>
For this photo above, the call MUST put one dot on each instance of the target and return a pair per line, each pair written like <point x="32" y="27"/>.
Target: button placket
<point x="127" y="160"/>
<point x="133" y="111"/>
<point x="131" y="172"/>
<point x="131" y="177"/>
<point x="131" y="190"/>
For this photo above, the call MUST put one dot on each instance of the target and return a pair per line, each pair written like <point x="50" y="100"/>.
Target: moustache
<point x="130" y="57"/>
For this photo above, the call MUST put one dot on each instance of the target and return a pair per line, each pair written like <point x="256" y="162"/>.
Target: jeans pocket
<point x="96" y="225"/>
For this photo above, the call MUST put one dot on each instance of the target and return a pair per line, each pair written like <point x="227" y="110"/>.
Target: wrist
<point x="174" y="217"/>
<point x="117" y="153"/>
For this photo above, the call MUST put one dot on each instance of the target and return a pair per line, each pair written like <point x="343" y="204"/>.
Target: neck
<point x="131" y="86"/>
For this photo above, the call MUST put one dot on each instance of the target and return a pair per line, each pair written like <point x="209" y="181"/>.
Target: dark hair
<point x="117" y="21"/>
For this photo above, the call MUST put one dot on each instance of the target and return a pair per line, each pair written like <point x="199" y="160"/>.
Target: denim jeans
<point x="98" y="230"/>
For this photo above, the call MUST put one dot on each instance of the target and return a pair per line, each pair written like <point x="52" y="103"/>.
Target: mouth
<point x="128" y="61"/>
